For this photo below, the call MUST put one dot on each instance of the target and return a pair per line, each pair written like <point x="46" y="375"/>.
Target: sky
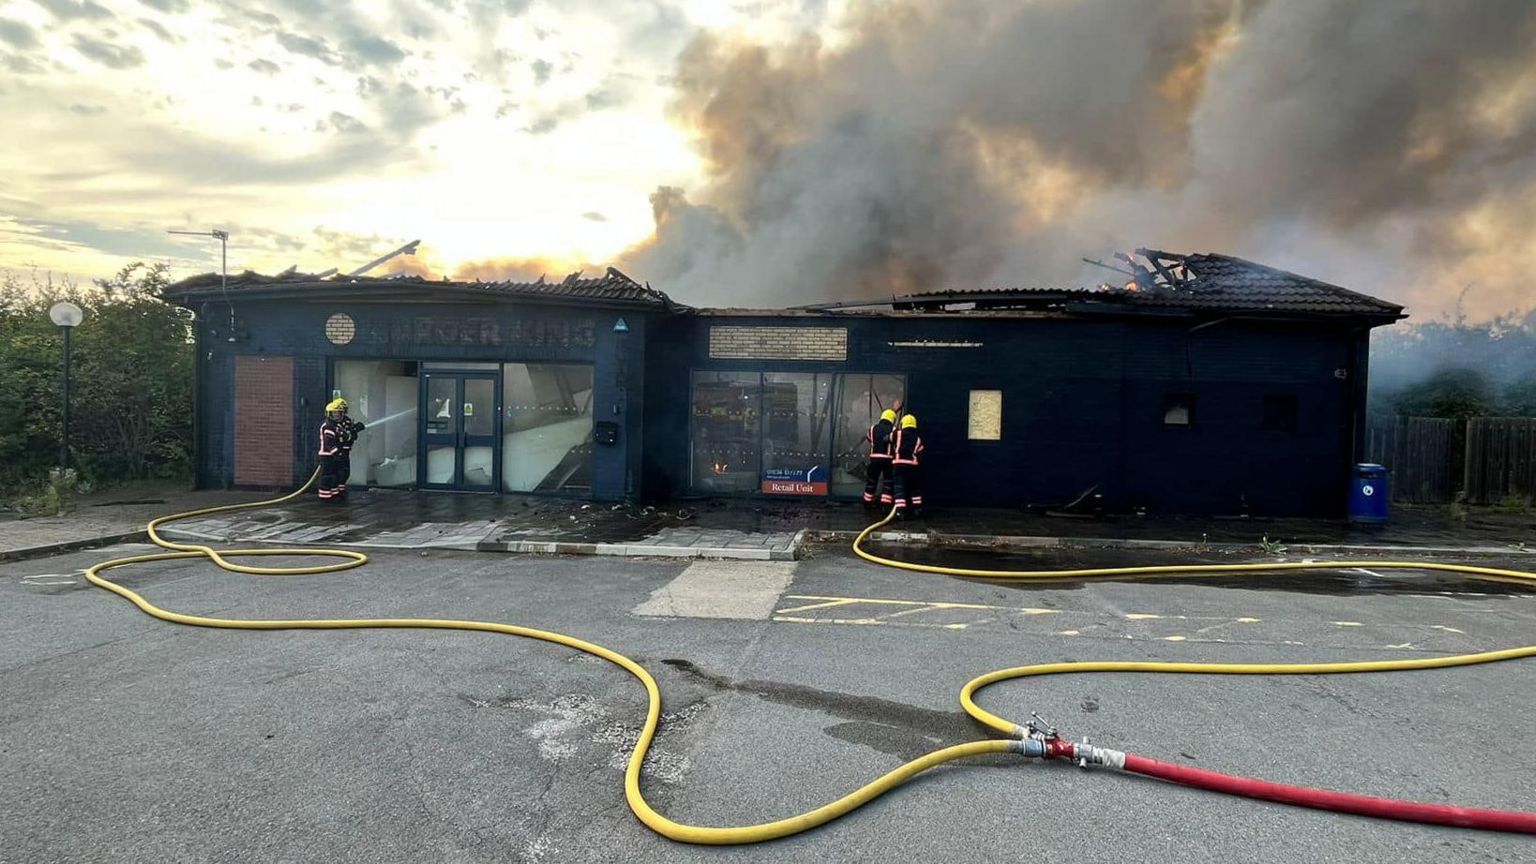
<point x="768" y="152"/>
<point x="324" y="134"/>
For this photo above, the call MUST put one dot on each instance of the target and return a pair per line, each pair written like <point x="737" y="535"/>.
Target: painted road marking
<point x="45" y="579"/>
<point x="1101" y="624"/>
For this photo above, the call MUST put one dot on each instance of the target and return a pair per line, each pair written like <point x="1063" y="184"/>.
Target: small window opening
<point x="1179" y="409"/>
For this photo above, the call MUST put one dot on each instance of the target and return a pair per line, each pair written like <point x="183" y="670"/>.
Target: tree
<point x="1452" y="393"/>
<point x="1519" y="399"/>
<point x="131" y="379"/>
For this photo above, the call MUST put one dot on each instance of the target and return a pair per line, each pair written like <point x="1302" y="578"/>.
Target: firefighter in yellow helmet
<point x="877" y="474"/>
<point x="337" y="435"/>
<point x="906" y="463"/>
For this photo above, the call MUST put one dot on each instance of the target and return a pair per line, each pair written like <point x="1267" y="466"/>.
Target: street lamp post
<point x="68" y="316"/>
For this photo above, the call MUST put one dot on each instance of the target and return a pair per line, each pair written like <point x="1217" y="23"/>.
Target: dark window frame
<point x="1280" y="412"/>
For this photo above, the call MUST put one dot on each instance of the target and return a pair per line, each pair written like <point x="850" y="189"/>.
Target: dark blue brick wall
<point x="1082" y="398"/>
<point x="429" y="332"/>
<point x="1083" y="404"/>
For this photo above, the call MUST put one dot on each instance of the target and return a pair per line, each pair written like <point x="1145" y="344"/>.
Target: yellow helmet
<point x="336" y="405"/>
<point x="909" y="422"/>
<point x="888" y="416"/>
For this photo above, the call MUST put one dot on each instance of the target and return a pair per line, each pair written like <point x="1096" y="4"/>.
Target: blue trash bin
<point x="1368" y="494"/>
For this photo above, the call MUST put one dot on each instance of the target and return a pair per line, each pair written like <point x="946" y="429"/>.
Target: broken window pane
<point x="725" y="440"/>
<point x="547" y="428"/>
<point x="382" y="395"/>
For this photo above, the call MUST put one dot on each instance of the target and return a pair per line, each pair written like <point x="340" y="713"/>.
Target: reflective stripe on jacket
<point x="909" y="447"/>
<point x="329" y="439"/>
<point x="880" y="441"/>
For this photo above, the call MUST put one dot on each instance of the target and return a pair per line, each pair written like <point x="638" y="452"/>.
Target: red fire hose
<point x="1300" y="796"/>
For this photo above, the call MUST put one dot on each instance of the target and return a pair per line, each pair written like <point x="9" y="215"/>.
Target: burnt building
<point x="1204" y="384"/>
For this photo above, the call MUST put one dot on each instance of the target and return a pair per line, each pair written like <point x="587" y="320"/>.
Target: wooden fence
<point x="1500" y="460"/>
<point x="1422" y="453"/>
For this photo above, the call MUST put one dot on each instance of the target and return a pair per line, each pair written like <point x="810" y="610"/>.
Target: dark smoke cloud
<point x="1386" y="146"/>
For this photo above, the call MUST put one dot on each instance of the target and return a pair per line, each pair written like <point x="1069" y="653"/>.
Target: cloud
<point x="66" y="10"/>
<point x="22" y="65"/>
<point x="594" y="216"/>
<point x="108" y="54"/>
<point x="222" y="63"/>
<point x="72" y="235"/>
<point x="264" y="66"/>
<point x="597" y="100"/>
<point x="369" y="86"/>
<point x="87" y="110"/>
<point x="544" y="125"/>
<point x="17" y="34"/>
<point x="343" y="123"/>
<point x="261" y="17"/>
<point x="159" y="30"/>
<point x="541" y="70"/>
<point x="307" y="47"/>
<point x="375" y="50"/>
<point x="174" y="6"/>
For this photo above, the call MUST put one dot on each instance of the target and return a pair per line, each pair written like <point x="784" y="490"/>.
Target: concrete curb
<point x="29" y="552"/>
<point x="989" y="541"/>
<point x="642" y="550"/>
<point x="545" y="547"/>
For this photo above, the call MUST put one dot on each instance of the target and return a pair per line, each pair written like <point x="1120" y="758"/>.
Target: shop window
<point x="986" y="417"/>
<point x="1280" y="413"/>
<point x="1179" y="409"/>
<point x="726" y="437"/>
<point x="547" y="427"/>
<point x="797" y="432"/>
<point x="381" y="394"/>
<point x="859" y="400"/>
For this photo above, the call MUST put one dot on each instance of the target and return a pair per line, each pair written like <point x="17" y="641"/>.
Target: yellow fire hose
<point x="826" y="813"/>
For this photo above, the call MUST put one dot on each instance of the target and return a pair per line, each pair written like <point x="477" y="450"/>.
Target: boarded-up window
<point x="986" y="415"/>
<point x="264" y="421"/>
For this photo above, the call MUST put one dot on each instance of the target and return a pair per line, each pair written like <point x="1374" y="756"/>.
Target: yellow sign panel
<point x="986" y="415"/>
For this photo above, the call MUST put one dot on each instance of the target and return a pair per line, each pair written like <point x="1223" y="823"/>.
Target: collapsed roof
<point x="1159" y="282"/>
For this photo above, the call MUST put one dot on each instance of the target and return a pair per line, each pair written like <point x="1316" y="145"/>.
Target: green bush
<point x="130" y="381"/>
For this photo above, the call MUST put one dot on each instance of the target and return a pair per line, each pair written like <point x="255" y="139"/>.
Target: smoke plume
<point x="1384" y="146"/>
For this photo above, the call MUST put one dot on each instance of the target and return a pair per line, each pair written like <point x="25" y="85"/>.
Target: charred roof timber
<point x="1162" y="283"/>
<point x="1158" y="283"/>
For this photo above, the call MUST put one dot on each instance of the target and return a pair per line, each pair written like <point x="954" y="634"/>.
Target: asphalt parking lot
<point x="128" y="739"/>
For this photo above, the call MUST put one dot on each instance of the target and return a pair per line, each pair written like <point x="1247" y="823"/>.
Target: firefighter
<point x="908" y="469"/>
<point x="337" y="435"/>
<point x="877" y="476"/>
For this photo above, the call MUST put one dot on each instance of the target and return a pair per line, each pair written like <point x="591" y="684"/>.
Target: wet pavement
<point x="521" y="517"/>
<point x="498" y="524"/>
<point x="1355" y="581"/>
<point x="743" y="528"/>
<point x="129" y="739"/>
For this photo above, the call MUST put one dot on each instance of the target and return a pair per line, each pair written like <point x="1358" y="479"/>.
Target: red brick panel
<point x="263" y="421"/>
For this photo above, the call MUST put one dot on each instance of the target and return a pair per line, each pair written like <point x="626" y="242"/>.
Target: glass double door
<point x="461" y="447"/>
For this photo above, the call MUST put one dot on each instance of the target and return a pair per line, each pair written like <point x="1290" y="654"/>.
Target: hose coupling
<point x="1029" y="747"/>
<point x="1086" y="754"/>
